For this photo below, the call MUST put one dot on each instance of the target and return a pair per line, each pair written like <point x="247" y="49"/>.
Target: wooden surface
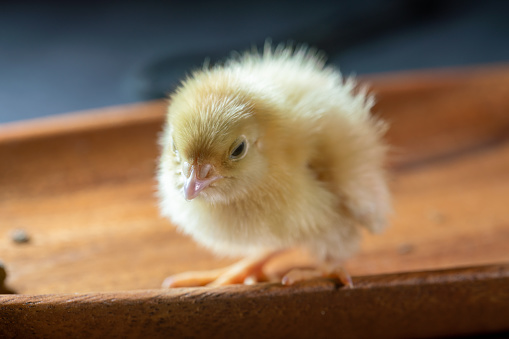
<point x="82" y="187"/>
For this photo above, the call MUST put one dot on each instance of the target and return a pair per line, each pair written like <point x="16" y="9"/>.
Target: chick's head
<point x="215" y="137"/>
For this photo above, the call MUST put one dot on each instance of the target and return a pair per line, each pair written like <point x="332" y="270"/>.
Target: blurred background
<point x="58" y="57"/>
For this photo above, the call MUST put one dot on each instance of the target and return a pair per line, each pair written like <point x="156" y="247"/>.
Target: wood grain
<point x="82" y="186"/>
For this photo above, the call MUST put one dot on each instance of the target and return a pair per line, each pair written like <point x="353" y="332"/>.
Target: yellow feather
<point x="313" y="172"/>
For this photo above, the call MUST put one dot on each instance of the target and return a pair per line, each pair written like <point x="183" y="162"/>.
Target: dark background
<point x="67" y="56"/>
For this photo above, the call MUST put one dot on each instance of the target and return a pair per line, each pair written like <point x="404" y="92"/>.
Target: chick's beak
<point x="197" y="178"/>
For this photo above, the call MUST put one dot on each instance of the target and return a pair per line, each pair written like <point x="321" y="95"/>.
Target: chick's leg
<point x="248" y="270"/>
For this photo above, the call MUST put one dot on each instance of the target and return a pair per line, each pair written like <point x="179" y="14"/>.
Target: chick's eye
<point x="239" y="151"/>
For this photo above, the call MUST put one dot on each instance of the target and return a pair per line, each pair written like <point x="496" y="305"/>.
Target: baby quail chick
<point x="271" y="151"/>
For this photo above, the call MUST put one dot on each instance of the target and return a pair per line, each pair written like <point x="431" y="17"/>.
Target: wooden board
<point x="82" y="187"/>
<point x="416" y="305"/>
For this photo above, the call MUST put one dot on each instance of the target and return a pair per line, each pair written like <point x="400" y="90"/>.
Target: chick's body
<point x="311" y="168"/>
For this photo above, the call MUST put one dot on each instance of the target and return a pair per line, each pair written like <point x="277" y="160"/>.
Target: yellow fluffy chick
<point x="268" y="152"/>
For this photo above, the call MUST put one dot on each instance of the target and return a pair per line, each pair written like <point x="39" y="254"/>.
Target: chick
<point x="271" y="151"/>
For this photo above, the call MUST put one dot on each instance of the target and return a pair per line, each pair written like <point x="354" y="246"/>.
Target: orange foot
<point x="247" y="271"/>
<point x="301" y="274"/>
<point x="251" y="270"/>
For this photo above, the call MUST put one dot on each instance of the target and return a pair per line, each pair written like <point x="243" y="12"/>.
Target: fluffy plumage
<point x="311" y="169"/>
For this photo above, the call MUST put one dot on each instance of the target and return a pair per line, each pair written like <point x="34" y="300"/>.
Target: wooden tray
<point x="82" y="187"/>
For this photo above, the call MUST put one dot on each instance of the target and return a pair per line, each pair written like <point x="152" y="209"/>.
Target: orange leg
<point x="248" y="271"/>
<point x="251" y="270"/>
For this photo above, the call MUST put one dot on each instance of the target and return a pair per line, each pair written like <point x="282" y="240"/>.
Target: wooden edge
<point x="151" y="111"/>
<point x="419" y="304"/>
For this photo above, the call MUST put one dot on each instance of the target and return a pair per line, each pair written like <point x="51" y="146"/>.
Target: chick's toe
<point x="248" y="271"/>
<point x="302" y="274"/>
